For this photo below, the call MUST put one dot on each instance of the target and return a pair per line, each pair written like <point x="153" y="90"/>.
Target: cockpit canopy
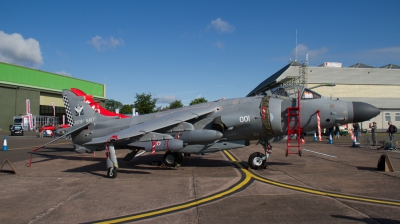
<point x="292" y="91"/>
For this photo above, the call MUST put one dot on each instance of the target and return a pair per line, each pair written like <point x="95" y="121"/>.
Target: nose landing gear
<point x="258" y="160"/>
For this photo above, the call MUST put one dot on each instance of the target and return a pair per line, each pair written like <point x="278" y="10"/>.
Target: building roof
<point x="14" y="75"/>
<point x="360" y="65"/>
<point x="391" y="66"/>
<point x="357" y="74"/>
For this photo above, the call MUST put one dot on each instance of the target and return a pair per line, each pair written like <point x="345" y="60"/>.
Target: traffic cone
<point x="315" y="137"/>
<point x="330" y="140"/>
<point x="5" y="148"/>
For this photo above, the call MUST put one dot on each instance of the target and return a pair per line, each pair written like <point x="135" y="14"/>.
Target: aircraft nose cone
<point x="363" y="112"/>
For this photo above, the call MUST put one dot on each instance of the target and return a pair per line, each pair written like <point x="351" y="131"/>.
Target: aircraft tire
<point x="170" y="159"/>
<point x="255" y="161"/>
<point x="112" y="174"/>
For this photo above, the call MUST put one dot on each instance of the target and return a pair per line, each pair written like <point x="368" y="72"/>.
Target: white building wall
<point x="377" y="86"/>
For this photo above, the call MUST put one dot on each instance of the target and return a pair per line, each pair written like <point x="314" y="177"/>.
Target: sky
<point x="182" y="50"/>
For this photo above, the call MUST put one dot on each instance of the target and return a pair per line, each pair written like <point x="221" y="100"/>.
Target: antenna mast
<point x="296" y="45"/>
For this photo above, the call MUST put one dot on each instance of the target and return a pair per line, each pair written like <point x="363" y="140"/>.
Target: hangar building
<point x="379" y="87"/>
<point x="19" y="84"/>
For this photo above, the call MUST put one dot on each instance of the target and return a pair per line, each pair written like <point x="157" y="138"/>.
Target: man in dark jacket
<point x="356" y="128"/>
<point x="391" y="130"/>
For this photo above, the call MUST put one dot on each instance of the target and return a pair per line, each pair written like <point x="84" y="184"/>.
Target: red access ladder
<point x="293" y="123"/>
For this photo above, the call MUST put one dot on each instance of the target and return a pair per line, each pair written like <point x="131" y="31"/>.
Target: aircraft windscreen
<point x="309" y="94"/>
<point x="280" y="91"/>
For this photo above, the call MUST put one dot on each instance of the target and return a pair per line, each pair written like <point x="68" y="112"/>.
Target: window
<point x="48" y="110"/>
<point x="388" y="117"/>
<point x="397" y="116"/>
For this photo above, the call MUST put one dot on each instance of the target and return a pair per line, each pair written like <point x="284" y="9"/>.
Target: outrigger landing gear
<point x="258" y="160"/>
<point x="112" y="163"/>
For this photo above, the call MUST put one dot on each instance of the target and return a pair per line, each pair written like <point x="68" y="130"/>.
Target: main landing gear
<point x="258" y="160"/>
<point x="112" y="163"/>
<point x="172" y="159"/>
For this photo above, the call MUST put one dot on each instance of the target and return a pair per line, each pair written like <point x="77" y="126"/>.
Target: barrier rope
<point x="350" y="131"/>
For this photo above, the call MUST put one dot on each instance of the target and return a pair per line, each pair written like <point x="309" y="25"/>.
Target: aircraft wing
<point x="175" y="117"/>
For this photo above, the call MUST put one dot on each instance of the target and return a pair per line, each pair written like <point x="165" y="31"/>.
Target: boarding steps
<point x="293" y="124"/>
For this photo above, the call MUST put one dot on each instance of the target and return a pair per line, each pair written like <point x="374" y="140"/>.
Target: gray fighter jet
<point x="204" y="128"/>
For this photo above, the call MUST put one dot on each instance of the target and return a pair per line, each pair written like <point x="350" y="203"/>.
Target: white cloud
<point x="197" y="97"/>
<point x="63" y="73"/>
<point x="167" y="99"/>
<point x="221" y="26"/>
<point x="312" y="54"/>
<point x="102" y="44"/>
<point x="14" y="49"/>
<point x="220" y="44"/>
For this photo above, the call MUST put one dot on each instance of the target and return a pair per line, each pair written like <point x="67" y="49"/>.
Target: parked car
<point x="17" y="130"/>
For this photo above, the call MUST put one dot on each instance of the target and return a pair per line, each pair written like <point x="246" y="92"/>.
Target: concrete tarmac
<point x="330" y="183"/>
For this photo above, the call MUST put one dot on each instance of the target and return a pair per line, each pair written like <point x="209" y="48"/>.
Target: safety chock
<point x="384" y="164"/>
<point x="4" y="163"/>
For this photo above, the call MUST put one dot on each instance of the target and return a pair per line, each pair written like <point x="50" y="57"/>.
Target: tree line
<point x="145" y="104"/>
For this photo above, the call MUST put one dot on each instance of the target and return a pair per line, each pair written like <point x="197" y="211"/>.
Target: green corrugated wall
<point x="19" y="83"/>
<point x="21" y="76"/>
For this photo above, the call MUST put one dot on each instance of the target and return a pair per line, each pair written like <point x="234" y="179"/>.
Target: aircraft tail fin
<point x="78" y="112"/>
<point x="95" y="105"/>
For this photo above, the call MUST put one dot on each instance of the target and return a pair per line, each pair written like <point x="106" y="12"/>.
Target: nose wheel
<point x="257" y="161"/>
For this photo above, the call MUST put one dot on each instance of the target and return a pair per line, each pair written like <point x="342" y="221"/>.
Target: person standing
<point x="373" y="132"/>
<point x="330" y="132"/>
<point x="391" y="130"/>
<point x="356" y="129"/>
<point x="40" y="131"/>
<point x="337" y="132"/>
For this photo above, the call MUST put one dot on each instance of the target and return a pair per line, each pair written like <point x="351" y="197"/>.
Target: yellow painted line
<point x="231" y="157"/>
<point x="248" y="176"/>
<point x="183" y="206"/>
<point x="30" y="147"/>
<point x="321" y="192"/>
<point x="324" y="193"/>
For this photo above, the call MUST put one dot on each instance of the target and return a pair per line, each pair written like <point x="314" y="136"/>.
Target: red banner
<point x="28" y="106"/>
